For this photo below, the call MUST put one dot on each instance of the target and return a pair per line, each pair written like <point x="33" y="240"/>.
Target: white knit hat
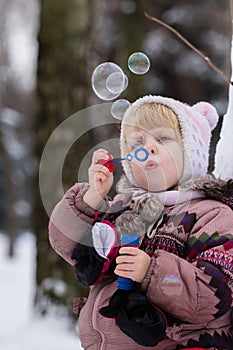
<point x="196" y="123"/>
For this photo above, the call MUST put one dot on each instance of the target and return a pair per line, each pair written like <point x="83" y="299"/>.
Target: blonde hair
<point x="151" y="115"/>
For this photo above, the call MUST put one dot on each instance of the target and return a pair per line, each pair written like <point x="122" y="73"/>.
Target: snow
<point x="223" y="156"/>
<point x="21" y="328"/>
<point x="21" y="26"/>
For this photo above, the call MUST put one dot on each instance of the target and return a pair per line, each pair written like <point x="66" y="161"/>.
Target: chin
<point x="149" y="184"/>
<point x="159" y="187"/>
<point x="154" y="188"/>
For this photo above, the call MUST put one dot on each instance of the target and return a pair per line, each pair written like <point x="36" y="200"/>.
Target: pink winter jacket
<point x="189" y="278"/>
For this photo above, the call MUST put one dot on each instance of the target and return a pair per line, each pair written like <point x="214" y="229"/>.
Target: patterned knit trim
<point x="170" y="235"/>
<point x="220" y="283"/>
<point x="205" y="241"/>
<point x="217" y="340"/>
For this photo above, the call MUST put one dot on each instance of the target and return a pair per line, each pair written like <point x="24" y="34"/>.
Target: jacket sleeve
<point x="70" y="221"/>
<point x="196" y="289"/>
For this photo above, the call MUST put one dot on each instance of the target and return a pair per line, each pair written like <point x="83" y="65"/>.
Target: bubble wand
<point x="141" y="154"/>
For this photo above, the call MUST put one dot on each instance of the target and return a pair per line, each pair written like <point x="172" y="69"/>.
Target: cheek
<point x="175" y="160"/>
<point x="138" y="173"/>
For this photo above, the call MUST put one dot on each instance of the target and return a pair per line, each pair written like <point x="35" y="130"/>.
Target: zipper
<point x="94" y="318"/>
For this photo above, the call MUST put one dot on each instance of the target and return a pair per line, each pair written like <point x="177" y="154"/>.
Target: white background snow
<point x="223" y="157"/>
<point x="20" y="327"/>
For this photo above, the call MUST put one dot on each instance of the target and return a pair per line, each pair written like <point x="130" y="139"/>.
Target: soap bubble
<point x="126" y="82"/>
<point x="116" y="82"/>
<point x="139" y="63"/>
<point x="108" y="81"/>
<point x="119" y="108"/>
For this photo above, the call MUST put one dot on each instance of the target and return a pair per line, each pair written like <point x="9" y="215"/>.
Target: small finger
<point x="100" y="154"/>
<point x="100" y="177"/>
<point x="98" y="168"/>
<point x="129" y="250"/>
<point x="124" y="268"/>
<point x="124" y="274"/>
<point x="121" y="259"/>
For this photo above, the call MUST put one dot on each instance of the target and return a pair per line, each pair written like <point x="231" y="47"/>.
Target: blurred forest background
<point x="48" y="51"/>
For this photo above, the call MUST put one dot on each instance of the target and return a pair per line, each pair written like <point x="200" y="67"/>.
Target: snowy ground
<point x="20" y="329"/>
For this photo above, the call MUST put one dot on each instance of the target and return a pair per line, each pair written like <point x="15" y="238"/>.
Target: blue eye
<point x="163" y="138"/>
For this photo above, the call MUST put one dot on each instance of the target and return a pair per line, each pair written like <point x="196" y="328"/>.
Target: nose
<point x="151" y="145"/>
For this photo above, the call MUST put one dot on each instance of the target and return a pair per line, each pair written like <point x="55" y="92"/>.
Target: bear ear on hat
<point x="208" y="111"/>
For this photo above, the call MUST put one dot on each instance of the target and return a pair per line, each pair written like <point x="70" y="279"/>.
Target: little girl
<point x="184" y="264"/>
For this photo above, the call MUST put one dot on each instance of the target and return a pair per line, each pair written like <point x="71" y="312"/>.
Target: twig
<point x="231" y="7"/>
<point x="205" y="58"/>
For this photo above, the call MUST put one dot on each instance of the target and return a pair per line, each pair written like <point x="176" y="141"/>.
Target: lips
<point x="151" y="165"/>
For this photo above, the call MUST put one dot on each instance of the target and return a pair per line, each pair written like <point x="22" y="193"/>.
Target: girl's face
<point x="164" y="166"/>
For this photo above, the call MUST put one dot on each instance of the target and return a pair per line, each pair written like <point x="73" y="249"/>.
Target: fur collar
<point x="208" y="185"/>
<point x="211" y="187"/>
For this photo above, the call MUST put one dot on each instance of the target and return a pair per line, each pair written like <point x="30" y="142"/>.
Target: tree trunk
<point x="9" y="218"/>
<point x="63" y="89"/>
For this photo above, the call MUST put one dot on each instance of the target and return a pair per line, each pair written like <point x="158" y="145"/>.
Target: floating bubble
<point x="108" y="81"/>
<point x="115" y="82"/>
<point x="119" y="108"/>
<point x="126" y="82"/>
<point x="139" y="63"/>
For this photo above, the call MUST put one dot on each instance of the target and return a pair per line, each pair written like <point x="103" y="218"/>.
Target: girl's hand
<point x="100" y="179"/>
<point x="132" y="263"/>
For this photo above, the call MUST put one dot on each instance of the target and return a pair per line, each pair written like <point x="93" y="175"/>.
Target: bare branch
<point x="231" y="7"/>
<point x="182" y="38"/>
